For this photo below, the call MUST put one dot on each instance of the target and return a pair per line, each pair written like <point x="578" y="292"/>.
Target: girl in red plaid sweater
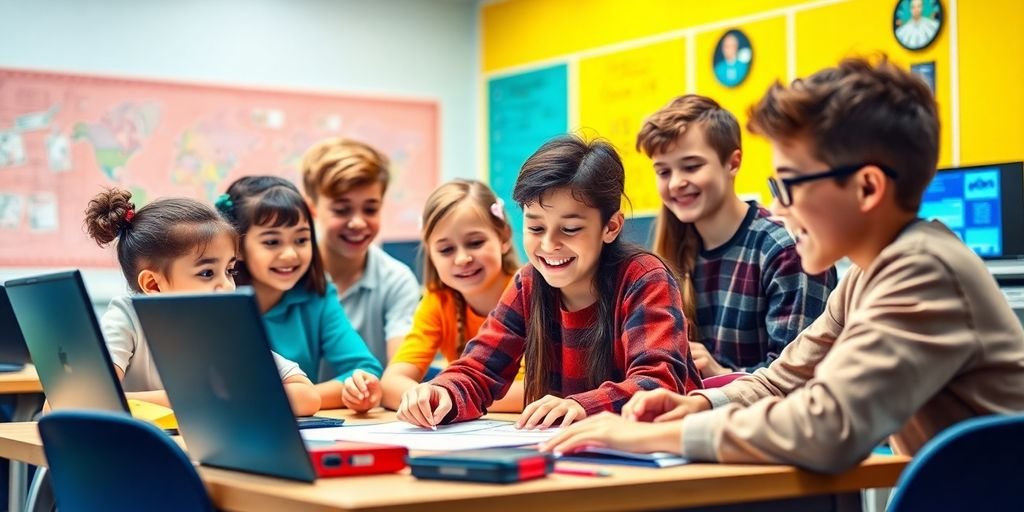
<point x="596" y="319"/>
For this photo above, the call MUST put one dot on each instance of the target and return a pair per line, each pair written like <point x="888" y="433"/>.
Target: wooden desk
<point x="629" y="489"/>
<point x="25" y="385"/>
<point x="22" y="381"/>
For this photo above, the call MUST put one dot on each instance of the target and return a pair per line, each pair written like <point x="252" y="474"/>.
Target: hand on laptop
<point x="425" y="405"/>
<point x="362" y="391"/>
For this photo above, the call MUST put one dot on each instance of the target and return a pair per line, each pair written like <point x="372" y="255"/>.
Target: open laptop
<point x="13" y="352"/>
<point x="214" y="358"/>
<point x="64" y="339"/>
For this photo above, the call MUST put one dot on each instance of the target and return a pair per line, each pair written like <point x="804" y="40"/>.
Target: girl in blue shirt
<point x="304" y="320"/>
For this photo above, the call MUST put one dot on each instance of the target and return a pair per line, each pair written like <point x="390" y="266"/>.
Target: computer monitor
<point x="983" y="205"/>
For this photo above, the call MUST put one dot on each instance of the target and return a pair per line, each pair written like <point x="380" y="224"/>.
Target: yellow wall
<point x="518" y="34"/>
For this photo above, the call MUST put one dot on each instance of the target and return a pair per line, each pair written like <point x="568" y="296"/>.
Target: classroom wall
<point x="625" y="59"/>
<point x="395" y="48"/>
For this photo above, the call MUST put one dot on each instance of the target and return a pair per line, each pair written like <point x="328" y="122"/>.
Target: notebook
<point x="595" y="455"/>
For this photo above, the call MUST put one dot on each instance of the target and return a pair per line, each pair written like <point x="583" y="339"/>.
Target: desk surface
<point x="629" y="488"/>
<point x="22" y="381"/>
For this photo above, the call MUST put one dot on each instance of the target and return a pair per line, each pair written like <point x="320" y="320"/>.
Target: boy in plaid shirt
<point x="744" y="293"/>
<point x="596" y="320"/>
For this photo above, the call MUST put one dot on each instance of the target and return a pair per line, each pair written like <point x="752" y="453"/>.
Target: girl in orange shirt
<point x="467" y="260"/>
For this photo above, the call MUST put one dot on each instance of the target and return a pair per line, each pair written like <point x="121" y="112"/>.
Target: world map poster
<point x="65" y="137"/>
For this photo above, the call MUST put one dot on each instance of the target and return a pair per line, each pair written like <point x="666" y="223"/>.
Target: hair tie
<point x="498" y="209"/>
<point x="126" y="221"/>
<point x="225" y="205"/>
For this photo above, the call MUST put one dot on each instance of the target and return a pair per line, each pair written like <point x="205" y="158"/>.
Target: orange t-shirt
<point x="435" y="328"/>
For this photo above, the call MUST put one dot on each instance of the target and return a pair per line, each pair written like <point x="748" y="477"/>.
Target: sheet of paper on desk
<point x="469" y="435"/>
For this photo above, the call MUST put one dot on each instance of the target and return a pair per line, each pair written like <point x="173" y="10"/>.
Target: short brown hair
<point x="335" y="166"/>
<point x="859" y="112"/>
<point x="663" y="128"/>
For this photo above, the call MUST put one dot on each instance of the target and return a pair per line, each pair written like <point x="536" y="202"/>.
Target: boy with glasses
<point x="915" y="338"/>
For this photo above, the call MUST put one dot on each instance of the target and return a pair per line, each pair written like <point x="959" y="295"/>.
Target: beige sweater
<point x="920" y="340"/>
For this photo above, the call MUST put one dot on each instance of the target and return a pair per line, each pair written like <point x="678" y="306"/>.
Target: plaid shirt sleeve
<point x="491" y="360"/>
<point x="795" y="299"/>
<point x="652" y="343"/>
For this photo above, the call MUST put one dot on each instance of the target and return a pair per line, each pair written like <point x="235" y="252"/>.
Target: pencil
<point x="582" y="472"/>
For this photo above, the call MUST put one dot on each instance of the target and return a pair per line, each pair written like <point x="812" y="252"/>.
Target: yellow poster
<point x="617" y="92"/>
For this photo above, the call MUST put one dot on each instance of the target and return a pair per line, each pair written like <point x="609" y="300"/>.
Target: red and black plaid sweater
<point x="650" y="349"/>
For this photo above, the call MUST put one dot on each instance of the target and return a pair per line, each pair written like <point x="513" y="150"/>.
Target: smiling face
<point x="825" y="218"/>
<point x="692" y="181"/>
<point x="352" y="220"/>
<point x="466" y="251"/>
<point x="563" y="239"/>
<point x="277" y="257"/>
<point x="208" y="268"/>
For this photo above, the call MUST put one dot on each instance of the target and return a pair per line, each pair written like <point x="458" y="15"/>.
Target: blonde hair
<point x="442" y="201"/>
<point x="674" y="240"/>
<point x="335" y="166"/>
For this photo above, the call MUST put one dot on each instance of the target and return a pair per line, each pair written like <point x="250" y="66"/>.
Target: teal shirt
<point x="306" y="328"/>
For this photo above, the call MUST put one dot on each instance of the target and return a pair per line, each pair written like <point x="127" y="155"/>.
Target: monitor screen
<point x="983" y="205"/>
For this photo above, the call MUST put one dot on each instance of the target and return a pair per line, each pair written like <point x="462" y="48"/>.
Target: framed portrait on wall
<point x="732" y="58"/>
<point x="916" y="23"/>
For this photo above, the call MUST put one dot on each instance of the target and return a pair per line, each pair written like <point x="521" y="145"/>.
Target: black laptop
<point x="214" y="357"/>
<point x="13" y="352"/>
<point x="64" y="339"/>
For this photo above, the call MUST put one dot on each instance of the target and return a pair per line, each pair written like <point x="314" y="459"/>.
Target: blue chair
<point x="972" y="465"/>
<point x="112" y="462"/>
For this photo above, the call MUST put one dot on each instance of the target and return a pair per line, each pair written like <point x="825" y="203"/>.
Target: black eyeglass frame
<point x="781" y="188"/>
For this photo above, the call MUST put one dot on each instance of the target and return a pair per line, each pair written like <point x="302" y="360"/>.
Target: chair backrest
<point x="970" y="465"/>
<point x="106" y="461"/>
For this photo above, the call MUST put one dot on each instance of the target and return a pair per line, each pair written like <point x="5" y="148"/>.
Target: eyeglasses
<point x="782" y="188"/>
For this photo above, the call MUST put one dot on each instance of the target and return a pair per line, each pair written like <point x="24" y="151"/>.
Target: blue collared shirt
<point x="381" y="304"/>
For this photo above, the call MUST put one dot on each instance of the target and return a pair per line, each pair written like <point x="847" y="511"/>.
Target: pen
<point x="582" y="472"/>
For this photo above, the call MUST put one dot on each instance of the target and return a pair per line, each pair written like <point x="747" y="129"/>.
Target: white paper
<point x="459" y="436"/>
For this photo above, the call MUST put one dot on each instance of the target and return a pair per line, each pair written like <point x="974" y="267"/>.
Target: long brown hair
<point x="442" y="201"/>
<point x="593" y="173"/>
<point x="676" y="241"/>
<point x="271" y="201"/>
<point x="155" y="235"/>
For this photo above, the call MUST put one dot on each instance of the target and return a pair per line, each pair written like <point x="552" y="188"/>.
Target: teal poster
<point x="525" y="110"/>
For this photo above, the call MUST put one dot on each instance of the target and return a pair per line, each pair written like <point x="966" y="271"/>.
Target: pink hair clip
<point x="498" y="209"/>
